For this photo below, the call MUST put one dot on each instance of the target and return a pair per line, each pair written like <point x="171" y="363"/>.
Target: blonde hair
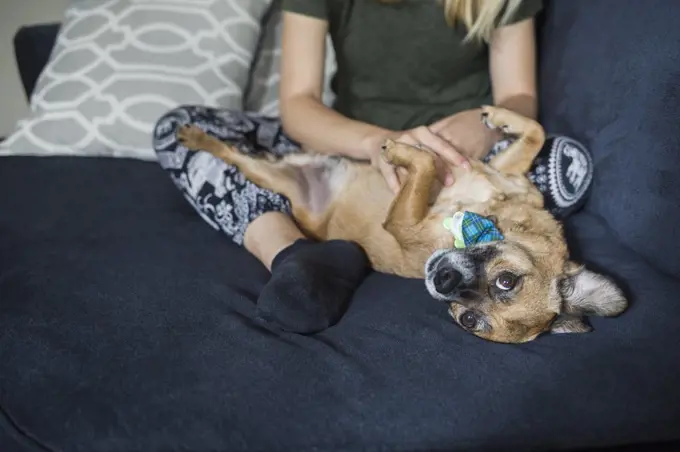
<point x="480" y="17"/>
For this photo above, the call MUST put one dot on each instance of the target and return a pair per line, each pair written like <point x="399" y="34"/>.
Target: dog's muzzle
<point x="446" y="271"/>
<point x="446" y="279"/>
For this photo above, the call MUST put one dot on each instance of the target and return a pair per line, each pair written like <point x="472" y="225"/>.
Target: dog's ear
<point x="584" y="292"/>
<point x="567" y="323"/>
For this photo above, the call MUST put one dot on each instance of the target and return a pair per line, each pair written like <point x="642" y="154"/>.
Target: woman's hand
<point x="466" y="132"/>
<point x="446" y="154"/>
<point x="388" y="171"/>
<point x="423" y="137"/>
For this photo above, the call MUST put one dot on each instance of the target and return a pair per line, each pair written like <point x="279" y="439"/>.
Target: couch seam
<point x="20" y="435"/>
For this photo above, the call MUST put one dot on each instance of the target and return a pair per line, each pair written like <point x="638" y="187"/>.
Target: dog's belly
<point x="360" y="205"/>
<point x="358" y="212"/>
<point x="316" y="187"/>
<point x="320" y="179"/>
<point x="345" y="200"/>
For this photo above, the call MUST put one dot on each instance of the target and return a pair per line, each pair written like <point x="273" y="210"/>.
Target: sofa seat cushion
<point x="127" y="323"/>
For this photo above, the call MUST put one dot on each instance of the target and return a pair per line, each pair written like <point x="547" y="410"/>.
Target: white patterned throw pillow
<point x="118" y="65"/>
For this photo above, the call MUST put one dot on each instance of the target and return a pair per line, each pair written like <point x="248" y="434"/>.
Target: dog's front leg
<point x="519" y="156"/>
<point x="411" y="205"/>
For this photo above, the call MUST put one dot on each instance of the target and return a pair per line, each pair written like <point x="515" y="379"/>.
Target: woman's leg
<point x="223" y="197"/>
<point x="562" y="172"/>
<point x="265" y="245"/>
<point x="311" y="282"/>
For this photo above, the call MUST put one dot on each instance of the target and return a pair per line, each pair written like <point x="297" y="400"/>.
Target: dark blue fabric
<point x="610" y="77"/>
<point x="129" y="324"/>
<point x="32" y="48"/>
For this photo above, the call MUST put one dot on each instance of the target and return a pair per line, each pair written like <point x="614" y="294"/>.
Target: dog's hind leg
<point x="288" y="179"/>
<point x="519" y="156"/>
<point x="263" y="172"/>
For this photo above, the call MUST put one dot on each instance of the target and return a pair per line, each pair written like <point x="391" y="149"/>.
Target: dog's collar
<point x="469" y="228"/>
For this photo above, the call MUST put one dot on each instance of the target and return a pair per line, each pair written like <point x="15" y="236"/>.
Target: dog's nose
<point x="446" y="279"/>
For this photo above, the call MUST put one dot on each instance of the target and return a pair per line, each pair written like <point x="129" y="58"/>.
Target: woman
<point x="416" y="71"/>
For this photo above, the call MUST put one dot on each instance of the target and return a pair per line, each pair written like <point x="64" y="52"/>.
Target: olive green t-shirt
<point x="401" y="65"/>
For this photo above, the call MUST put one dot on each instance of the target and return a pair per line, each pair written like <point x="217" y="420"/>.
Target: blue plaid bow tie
<point x="468" y="229"/>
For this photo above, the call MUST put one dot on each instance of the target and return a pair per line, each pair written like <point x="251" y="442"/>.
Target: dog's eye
<point x="468" y="320"/>
<point x="506" y="281"/>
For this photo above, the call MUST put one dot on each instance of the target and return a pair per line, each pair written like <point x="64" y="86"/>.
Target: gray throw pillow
<point x="118" y="65"/>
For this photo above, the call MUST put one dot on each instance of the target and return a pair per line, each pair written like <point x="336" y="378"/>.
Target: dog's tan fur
<point x="336" y="198"/>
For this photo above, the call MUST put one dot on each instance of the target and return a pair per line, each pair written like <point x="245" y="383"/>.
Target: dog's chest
<point x="471" y="191"/>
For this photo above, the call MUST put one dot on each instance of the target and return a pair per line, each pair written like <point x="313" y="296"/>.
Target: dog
<point x="509" y="291"/>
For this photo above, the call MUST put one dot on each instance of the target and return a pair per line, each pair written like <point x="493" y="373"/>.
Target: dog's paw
<point x="191" y="137"/>
<point x="486" y="115"/>
<point x="492" y="118"/>
<point x="398" y="154"/>
<point x="387" y="151"/>
<point x="405" y="155"/>
<point x="506" y="121"/>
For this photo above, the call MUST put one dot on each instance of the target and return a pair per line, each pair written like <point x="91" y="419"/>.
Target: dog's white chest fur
<point x="477" y="190"/>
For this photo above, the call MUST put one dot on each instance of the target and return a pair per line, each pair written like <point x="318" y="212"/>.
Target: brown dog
<point x="510" y="290"/>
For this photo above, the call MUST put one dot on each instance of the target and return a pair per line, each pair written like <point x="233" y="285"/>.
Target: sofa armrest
<point x="32" y="48"/>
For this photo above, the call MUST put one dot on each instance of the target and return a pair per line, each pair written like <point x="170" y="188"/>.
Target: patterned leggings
<point x="218" y="191"/>
<point x="229" y="202"/>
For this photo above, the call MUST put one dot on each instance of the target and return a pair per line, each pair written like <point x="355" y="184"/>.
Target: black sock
<point x="312" y="284"/>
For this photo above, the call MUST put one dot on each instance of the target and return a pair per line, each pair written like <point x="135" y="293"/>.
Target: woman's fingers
<point x="444" y="154"/>
<point x="390" y="175"/>
<point x="440" y="146"/>
<point x="388" y="172"/>
<point x="443" y="172"/>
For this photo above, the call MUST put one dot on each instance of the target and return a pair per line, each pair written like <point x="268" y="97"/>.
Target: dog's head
<point x="524" y="285"/>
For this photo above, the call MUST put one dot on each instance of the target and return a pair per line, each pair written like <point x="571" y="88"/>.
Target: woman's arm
<point x="512" y="61"/>
<point x="319" y="128"/>
<point x="305" y="118"/>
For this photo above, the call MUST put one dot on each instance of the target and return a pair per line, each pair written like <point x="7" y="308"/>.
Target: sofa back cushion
<point x="119" y="65"/>
<point x="610" y="77"/>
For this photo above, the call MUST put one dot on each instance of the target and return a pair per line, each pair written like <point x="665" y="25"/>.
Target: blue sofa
<point x="128" y="325"/>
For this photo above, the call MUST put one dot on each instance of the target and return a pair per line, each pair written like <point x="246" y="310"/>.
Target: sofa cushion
<point x="118" y="65"/>
<point x="128" y="324"/>
<point x="610" y="77"/>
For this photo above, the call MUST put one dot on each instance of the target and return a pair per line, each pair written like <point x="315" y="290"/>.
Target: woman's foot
<point x="312" y="284"/>
<point x="562" y="172"/>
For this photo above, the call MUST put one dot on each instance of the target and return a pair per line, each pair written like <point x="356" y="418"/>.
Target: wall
<point x="14" y="14"/>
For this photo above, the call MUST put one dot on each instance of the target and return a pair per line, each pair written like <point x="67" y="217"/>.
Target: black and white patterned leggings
<point x="218" y="191"/>
<point x="229" y="202"/>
